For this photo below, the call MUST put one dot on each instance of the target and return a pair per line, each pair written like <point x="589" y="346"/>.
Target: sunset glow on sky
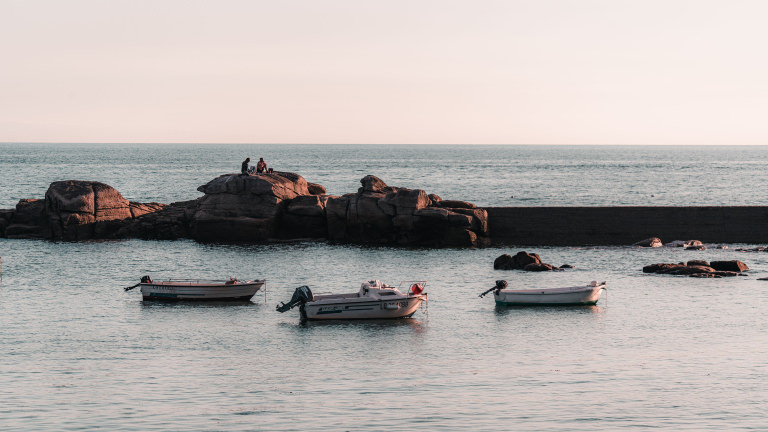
<point x="352" y="71"/>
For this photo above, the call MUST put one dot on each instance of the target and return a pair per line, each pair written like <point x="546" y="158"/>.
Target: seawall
<point x="576" y="226"/>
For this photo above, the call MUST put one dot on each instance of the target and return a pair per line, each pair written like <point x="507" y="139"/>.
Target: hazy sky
<point x="390" y="71"/>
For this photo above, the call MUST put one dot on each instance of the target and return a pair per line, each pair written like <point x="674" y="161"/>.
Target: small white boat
<point x="374" y="300"/>
<point x="575" y="295"/>
<point x="198" y="289"/>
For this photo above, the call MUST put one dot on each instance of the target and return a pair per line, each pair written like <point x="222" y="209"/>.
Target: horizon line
<point x="369" y="143"/>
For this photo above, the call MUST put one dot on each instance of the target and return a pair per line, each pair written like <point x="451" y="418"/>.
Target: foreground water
<point x="659" y="352"/>
<point x="78" y="353"/>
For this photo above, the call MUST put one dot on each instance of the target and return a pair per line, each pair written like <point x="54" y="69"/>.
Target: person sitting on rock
<point x="261" y="166"/>
<point x="244" y="170"/>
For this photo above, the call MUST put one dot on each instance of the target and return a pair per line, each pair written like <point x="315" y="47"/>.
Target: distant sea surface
<point x="485" y="175"/>
<point x="669" y="353"/>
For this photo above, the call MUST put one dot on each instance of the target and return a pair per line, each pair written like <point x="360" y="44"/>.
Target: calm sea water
<point x="79" y="353"/>
<point x="485" y="175"/>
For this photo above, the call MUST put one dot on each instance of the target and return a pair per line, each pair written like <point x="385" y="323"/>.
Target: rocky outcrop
<point x="733" y="266"/>
<point x="524" y="261"/>
<point x="239" y="208"/>
<point x="253" y="208"/>
<point x="244" y="209"/>
<point x="304" y="217"/>
<point x="382" y="214"/>
<point x="698" y="268"/>
<point x="75" y="210"/>
<point x="83" y="210"/>
<point x="315" y="189"/>
<point x="165" y="222"/>
<point x="29" y="220"/>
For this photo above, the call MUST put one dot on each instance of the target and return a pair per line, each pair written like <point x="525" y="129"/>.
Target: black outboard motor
<point x="144" y="279"/>
<point x="500" y="285"/>
<point x="302" y="295"/>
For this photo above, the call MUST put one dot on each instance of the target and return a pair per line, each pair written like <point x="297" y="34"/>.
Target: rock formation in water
<point x="382" y="214"/>
<point x="699" y="268"/>
<point x="653" y="242"/>
<point x="524" y="261"/>
<point x="258" y="208"/>
<point x="237" y="208"/>
<point x="74" y="210"/>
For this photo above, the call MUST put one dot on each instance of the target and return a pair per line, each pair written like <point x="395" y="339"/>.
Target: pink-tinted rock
<point x="254" y="208"/>
<point x="539" y="267"/>
<point x="372" y="184"/>
<point x="315" y="189"/>
<point x="517" y="262"/>
<point x="238" y="208"/>
<point x="278" y="184"/>
<point x="82" y="210"/>
<point x="406" y="201"/>
<point x="686" y="270"/>
<point x="140" y="209"/>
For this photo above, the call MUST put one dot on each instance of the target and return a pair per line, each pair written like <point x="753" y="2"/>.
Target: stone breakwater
<point x="577" y="226"/>
<point x="246" y="209"/>
<point x="284" y="206"/>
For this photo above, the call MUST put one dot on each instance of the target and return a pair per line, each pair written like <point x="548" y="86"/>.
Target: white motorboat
<point x="374" y="300"/>
<point x="575" y="295"/>
<point x="198" y="289"/>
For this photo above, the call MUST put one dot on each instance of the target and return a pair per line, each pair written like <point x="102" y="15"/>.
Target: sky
<point x="384" y="72"/>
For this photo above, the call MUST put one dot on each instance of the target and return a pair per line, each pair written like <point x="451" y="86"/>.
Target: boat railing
<point x="211" y="281"/>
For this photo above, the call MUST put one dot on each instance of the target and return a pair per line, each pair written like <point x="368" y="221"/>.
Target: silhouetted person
<point x="244" y="167"/>
<point x="261" y="166"/>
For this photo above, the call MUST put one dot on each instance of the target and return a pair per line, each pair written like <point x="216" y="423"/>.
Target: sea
<point x="79" y="353"/>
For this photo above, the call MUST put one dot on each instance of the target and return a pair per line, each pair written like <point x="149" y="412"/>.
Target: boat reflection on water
<point x="504" y="309"/>
<point x="366" y="324"/>
<point x="150" y="306"/>
<point x="368" y="328"/>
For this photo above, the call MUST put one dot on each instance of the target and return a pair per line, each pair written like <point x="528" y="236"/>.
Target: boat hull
<point x="363" y="309"/>
<point x="581" y="295"/>
<point x="166" y="291"/>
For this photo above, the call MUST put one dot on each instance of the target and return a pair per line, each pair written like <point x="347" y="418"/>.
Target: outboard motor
<point x="144" y="279"/>
<point x="500" y="285"/>
<point x="302" y="295"/>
